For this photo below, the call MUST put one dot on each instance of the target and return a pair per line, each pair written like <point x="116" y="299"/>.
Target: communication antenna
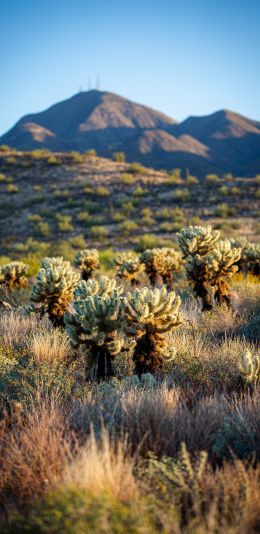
<point x="98" y="82"/>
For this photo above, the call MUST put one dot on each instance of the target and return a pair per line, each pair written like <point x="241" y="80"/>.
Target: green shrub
<point x="126" y="179"/>
<point x="11" y="188"/>
<point x="137" y="168"/>
<point x="119" y="157"/>
<point x="64" y="222"/>
<point x="98" y="232"/>
<point x="129" y="227"/>
<point x="102" y="191"/>
<point x="91" y="152"/>
<point x="53" y="160"/>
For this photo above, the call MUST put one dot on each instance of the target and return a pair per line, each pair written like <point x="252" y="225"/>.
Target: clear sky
<point x="182" y="57"/>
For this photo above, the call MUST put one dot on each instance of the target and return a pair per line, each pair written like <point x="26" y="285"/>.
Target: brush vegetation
<point x="129" y="409"/>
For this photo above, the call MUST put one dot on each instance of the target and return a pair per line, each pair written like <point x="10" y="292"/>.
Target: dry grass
<point x="33" y="451"/>
<point x="51" y="346"/>
<point x="15" y="327"/>
<point x="103" y="467"/>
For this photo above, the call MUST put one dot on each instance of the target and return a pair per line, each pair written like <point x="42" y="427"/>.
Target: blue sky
<point x="185" y="57"/>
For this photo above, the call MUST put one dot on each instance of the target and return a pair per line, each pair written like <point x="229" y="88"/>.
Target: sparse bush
<point x="119" y="157"/>
<point x="127" y="179"/>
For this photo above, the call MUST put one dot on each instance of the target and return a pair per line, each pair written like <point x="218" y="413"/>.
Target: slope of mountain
<point x="221" y="142"/>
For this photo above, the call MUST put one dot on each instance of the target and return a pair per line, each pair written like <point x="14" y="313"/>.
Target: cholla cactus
<point x="53" y="291"/>
<point x="53" y="262"/>
<point x="13" y="275"/>
<point x="160" y="263"/>
<point x="129" y="267"/>
<point x="250" y="255"/>
<point x="252" y="258"/>
<point x="197" y="240"/>
<point x="87" y="261"/>
<point x="249" y="367"/>
<point x="99" y="323"/>
<point x="221" y="265"/>
<point x="151" y="314"/>
<point x="209" y="264"/>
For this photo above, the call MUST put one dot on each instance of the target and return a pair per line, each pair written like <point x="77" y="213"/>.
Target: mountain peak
<point x="221" y="142"/>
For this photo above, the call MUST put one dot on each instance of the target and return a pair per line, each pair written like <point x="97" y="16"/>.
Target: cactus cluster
<point x="151" y="314"/>
<point x="107" y="323"/>
<point x="210" y="264"/>
<point x="13" y="275"/>
<point x="250" y="255"/>
<point x="53" y="290"/>
<point x="87" y="261"/>
<point x="98" y="321"/>
<point x="129" y="267"/>
<point x="160" y="264"/>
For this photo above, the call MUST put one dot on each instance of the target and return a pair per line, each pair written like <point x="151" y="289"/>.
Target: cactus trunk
<point x="145" y="357"/>
<point x="101" y="364"/>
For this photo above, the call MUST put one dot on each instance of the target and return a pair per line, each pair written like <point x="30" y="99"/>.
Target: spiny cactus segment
<point x="53" y="262"/>
<point x="87" y="261"/>
<point x="249" y="367"/>
<point x="151" y="313"/>
<point x="129" y="267"/>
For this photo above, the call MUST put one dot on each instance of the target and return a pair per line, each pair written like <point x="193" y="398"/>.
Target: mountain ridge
<point x="223" y="141"/>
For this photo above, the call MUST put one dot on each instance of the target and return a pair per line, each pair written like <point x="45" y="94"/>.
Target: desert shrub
<point x="11" y="188"/>
<point x="212" y="178"/>
<point x="102" y="191"/>
<point x="191" y="180"/>
<point x="98" y="232"/>
<point x="53" y="160"/>
<point x="119" y="157"/>
<point x="91" y="152"/>
<point x="182" y="195"/>
<point x="152" y="313"/>
<point x="76" y="157"/>
<point x="64" y="222"/>
<point x="224" y="210"/>
<point x="139" y="191"/>
<point x="137" y="168"/>
<point x="127" y="179"/>
<point x="128" y="227"/>
<point x="87" y="260"/>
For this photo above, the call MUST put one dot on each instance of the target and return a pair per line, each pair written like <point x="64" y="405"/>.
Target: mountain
<point x="221" y="142"/>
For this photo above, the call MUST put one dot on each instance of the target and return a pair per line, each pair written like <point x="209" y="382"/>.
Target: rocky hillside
<point x="221" y="142"/>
